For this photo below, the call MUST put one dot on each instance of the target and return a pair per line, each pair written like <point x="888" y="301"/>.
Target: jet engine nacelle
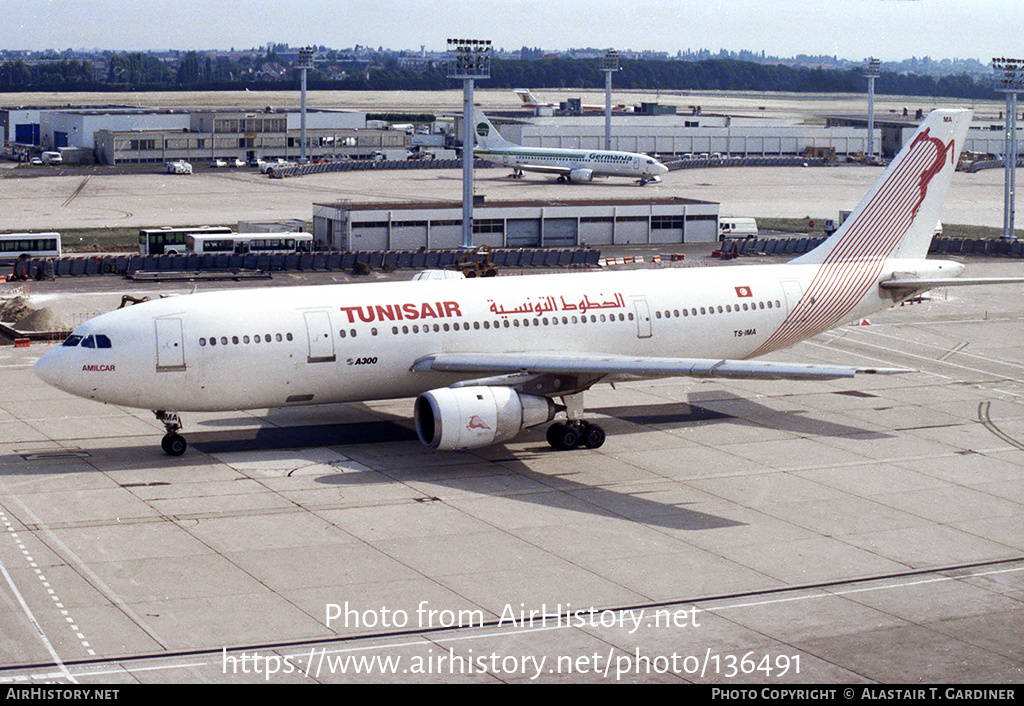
<point x="453" y="419"/>
<point x="581" y="175"/>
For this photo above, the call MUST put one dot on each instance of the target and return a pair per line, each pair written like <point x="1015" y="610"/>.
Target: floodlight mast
<point x="1009" y="80"/>
<point x="871" y="73"/>
<point x="609" y="65"/>
<point x="468" y="59"/>
<point x="305" y="63"/>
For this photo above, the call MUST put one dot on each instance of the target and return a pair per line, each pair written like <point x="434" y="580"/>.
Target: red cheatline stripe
<point x="868" y="266"/>
<point x="852" y="266"/>
<point x="895" y="196"/>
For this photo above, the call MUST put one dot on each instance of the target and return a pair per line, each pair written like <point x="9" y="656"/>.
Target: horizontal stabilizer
<point x="912" y="283"/>
<point x="634" y="367"/>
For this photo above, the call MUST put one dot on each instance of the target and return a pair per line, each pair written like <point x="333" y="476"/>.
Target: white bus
<point x="241" y="243"/>
<point x="14" y="245"/>
<point x="171" y="241"/>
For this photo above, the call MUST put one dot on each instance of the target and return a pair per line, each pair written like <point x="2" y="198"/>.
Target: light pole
<point x="609" y="65"/>
<point x="871" y="73"/>
<point x="468" y="59"/>
<point x="1009" y="80"/>
<point x="305" y="63"/>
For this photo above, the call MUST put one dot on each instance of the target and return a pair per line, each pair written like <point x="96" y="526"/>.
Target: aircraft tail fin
<point x="526" y="97"/>
<point x="897" y="217"/>
<point x="487" y="136"/>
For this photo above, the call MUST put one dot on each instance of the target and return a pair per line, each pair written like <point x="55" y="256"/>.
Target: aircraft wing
<point x="543" y="169"/>
<point x="627" y="367"/>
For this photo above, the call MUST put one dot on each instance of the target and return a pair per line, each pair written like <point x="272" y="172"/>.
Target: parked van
<point x="737" y="228"/>
<point x="51" y="158"/>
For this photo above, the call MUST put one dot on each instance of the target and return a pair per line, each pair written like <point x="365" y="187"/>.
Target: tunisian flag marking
<point x="744" y="292"/>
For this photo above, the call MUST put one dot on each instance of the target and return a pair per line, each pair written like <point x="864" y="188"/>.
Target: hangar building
<point x="515" y="224"/>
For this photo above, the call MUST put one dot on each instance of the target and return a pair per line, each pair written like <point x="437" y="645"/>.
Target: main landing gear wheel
<point x="593" y="436"/>
<point x="174" y="444"/>
<point x="571" y="434"/>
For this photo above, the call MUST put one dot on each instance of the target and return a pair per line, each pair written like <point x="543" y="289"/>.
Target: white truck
<point x="736" y="228"/>
<point x="273" y="165"/>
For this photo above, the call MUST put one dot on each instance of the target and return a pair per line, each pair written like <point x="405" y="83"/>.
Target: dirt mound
<point x="14" y="308"/>
<point x="41" y="320"/>
<point x="24" y="318"/>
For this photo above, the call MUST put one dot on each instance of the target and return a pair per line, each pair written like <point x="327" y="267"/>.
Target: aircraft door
<point x="318" y="334"/>
<point x="793" y="291"/>
<point x="643" y="318"/>
<point x="170" y="345"/>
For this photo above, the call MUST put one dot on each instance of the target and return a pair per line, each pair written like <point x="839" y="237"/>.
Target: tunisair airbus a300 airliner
<point x="487" y="358"/>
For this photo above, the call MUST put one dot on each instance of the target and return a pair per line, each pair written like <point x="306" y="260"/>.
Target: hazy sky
<point x="851" y="29"/>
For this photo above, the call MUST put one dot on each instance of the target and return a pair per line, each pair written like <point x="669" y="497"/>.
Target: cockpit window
<point x="97" y="341"/>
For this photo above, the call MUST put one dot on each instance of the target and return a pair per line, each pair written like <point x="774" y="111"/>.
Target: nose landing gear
<point x="173" y="443"/>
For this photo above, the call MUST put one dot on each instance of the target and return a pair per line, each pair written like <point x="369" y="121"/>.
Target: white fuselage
<point x="272" y="347"/>
<point x="568" y="161"/>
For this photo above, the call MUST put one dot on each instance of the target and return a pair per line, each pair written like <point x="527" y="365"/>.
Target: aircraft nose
<point x="52" y="369"/>
<point x="661" y="168"/>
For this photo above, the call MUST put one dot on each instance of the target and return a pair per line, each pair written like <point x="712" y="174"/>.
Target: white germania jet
<point x="569" y="164"/>
<point x="487" y="358"/>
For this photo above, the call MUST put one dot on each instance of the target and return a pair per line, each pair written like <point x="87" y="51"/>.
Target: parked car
<point x="179" y="166"/>
<point x="274" y="165"/>
<point x="217" y="163"/>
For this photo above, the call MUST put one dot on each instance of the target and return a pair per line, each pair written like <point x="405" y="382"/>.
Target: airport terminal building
<point x="515" y="224"/>
<point x="247" y="135"/>
<point x="678" y="135"/>
<point x="114" y="135"/>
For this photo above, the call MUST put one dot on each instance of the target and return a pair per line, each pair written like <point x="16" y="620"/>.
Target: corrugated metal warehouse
<point x="515" y="224"/>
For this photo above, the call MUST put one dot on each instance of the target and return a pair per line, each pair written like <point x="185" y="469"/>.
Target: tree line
<point x="198" y="71"/>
